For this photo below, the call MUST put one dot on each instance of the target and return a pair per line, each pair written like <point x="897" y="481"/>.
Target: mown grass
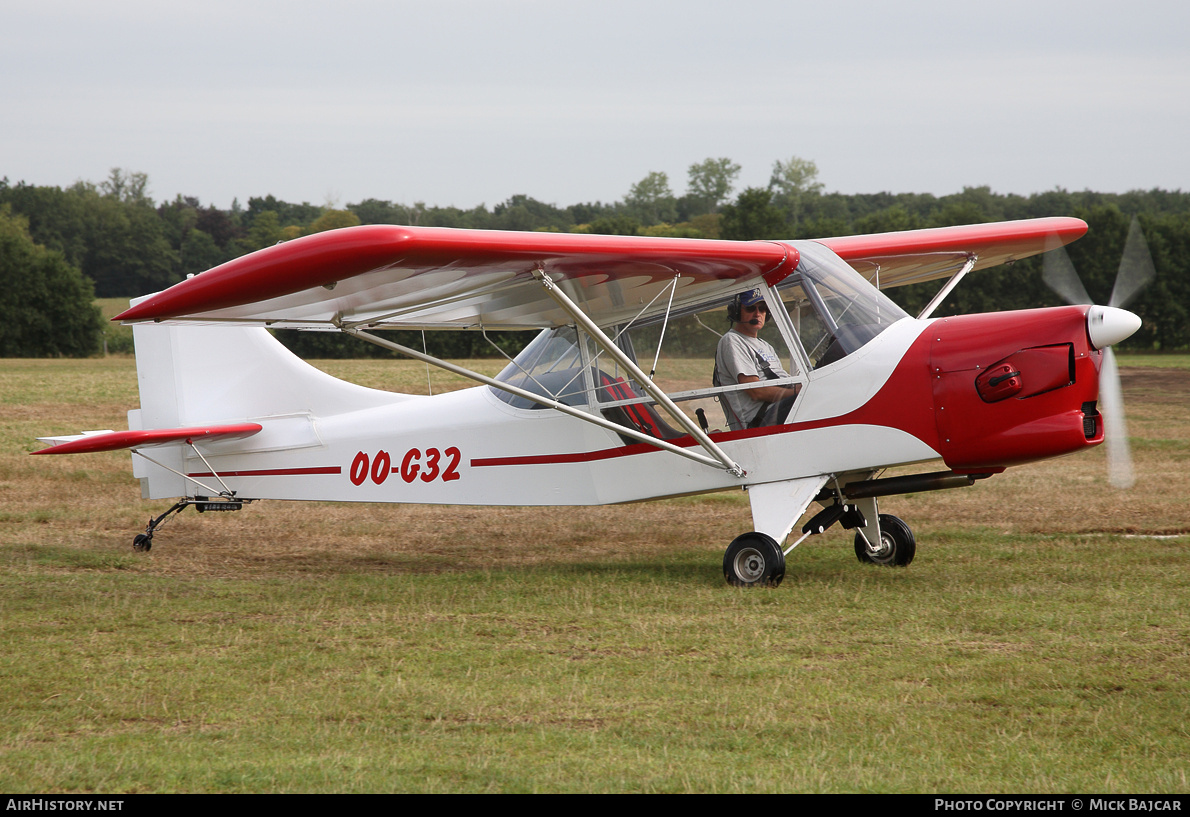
<point x="1038" y="643"/>
<point x="1165" y="360"/>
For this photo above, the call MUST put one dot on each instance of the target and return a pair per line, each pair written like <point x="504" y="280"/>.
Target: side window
<point x="550" y="366"/>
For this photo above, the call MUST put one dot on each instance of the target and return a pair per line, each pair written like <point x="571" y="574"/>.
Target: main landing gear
<point x="143" y="542"/>
<point x="895" y="546"/>
<point x="756" y="559"/>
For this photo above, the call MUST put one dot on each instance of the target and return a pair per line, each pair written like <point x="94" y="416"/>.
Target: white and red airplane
<point x="229" y="415"/>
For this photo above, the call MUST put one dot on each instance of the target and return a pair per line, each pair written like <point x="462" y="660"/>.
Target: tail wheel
<point x="754" y="559"/>
<point x="896" y="548"/>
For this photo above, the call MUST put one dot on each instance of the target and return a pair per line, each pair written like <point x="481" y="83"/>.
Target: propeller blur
<point x="1107" y="326"/>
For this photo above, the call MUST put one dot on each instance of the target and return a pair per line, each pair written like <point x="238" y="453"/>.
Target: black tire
<point x="142" y="542"/>
<point x="897" y="544"/>
<point x="754" y="559"/>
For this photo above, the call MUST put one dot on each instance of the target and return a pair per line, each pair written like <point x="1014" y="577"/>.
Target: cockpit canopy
<point x="831" y="308"/>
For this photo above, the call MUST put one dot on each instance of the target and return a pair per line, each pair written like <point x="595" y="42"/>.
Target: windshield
<point x="834" y="310"/>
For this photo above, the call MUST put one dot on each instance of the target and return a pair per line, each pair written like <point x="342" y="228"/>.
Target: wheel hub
<point x="884" y="547"/>
<point x="749" y="564"/>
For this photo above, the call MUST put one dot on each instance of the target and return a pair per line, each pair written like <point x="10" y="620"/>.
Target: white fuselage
<point x="469" y="447"/>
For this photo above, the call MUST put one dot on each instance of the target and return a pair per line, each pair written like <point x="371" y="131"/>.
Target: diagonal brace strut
<point x="605" y="343"/>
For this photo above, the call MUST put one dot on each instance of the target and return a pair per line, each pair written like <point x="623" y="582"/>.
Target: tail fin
<point x="201" y="375"/>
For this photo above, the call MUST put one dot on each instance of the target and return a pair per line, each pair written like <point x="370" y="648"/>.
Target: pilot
<point x="742" y="357"/>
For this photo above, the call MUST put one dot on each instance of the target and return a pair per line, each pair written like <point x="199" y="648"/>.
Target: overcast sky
<point x="463" y="101"/>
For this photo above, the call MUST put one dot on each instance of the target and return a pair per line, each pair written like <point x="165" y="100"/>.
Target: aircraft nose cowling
<point x="1107" y="325"/>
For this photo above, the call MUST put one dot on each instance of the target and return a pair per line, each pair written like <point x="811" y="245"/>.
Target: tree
<point x="521" y="212"/>
<point x="127" y="186"/>
<point x="178" y="217"/>
<point x="199" y="253"/>
<point x="890" y="220"/>
<point x="127" y="251"/>
<point x="218" y="225"/>
<point x="711" y="182"/>
<point x="334" y="220"/>
<point x="615" y="225"/>
<point x="55" y="218"/>
<point x="376" y="211"/>
<point x="47" y="307"/>
<point x="588" y="212"/>
<point x="752" y="216"/>
<point x="264" y="232"/>
<point x="651" y="200"/>
<point x="287" y="213"/>
<point x="791" y="180"/>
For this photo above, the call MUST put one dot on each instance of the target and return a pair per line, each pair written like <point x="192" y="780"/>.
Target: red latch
<point x="999" y="383"/>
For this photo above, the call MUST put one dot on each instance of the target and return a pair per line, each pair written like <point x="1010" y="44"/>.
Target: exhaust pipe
<point x="912" y="484"/>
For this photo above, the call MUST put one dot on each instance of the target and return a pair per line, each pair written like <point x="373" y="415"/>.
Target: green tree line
<point x="122" y="243"/>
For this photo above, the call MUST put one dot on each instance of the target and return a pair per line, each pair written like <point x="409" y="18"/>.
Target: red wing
<point x="923" y="255"/>
<point x="115" y="440"/>
<point x="429" y="277"/>
<point x="384" y="275"/>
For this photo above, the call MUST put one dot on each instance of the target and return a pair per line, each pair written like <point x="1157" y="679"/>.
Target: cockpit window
<point x="834" y="310"/>
<point x="550" y="366"/>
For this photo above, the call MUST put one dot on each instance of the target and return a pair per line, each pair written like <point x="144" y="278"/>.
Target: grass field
<point x="1039" y="643"/>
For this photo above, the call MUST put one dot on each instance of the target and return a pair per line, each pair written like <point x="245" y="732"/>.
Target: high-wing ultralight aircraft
<point x="228" y="415"/>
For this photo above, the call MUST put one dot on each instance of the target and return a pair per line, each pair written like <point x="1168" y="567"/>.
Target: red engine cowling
<point x="1014" y="387"/>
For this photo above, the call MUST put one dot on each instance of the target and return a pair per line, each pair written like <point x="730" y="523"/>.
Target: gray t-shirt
<point x="737" y="355"/>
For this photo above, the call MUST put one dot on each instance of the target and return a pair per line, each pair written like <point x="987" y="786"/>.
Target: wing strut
<point x="606" y="344"/>
<point x="545" y="401"/>
<point x="951" y="284"/>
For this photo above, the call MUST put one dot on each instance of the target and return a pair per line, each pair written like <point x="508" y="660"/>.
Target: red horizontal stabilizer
<point x="115" y="440"/>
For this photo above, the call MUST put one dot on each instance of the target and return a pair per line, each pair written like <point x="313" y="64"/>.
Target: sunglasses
<point x="756" y="308"/>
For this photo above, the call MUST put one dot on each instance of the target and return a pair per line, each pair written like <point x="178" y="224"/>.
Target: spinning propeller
<point x="1107" y="325"/>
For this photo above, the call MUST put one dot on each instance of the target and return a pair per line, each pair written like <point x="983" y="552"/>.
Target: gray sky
<point x="462" y="101"/>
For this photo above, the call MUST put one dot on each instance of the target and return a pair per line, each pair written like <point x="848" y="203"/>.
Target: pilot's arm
<point x="765" y="394"/>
